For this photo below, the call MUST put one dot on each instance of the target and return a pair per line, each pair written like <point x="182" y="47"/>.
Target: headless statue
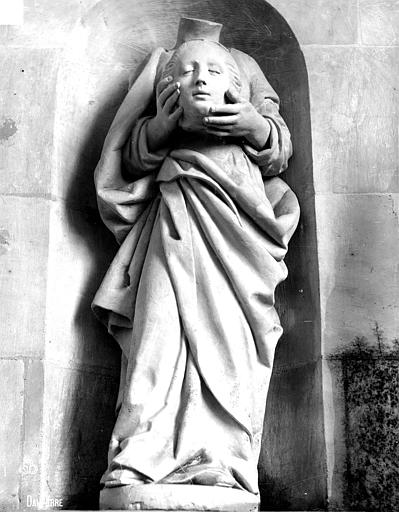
<point x="188" y="184"/>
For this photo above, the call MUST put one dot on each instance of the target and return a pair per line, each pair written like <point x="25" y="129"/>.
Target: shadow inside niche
<point x="291" y="466"/>
<point x="88" y="422"/>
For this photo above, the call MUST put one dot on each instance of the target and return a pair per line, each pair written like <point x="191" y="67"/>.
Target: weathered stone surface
<point x="23" y="271"/>
<point x="81" y="249"/>
<point x="335" y="22"/>
<point x="371" y="423"/>
<point x="355" y="137"/>
<point x="379" y="22"/>
<point x="293" y="428"/>
<point x="27" y="106"/>
<point x="361" y="404"/>
<point x="358" y="236"/>
<point x="33" y="420"/>
<point x="11" y="406"/>
<point x="78" y="420"/>
<point x="320" y="21"/>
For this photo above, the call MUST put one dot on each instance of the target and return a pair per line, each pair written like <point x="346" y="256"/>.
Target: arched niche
<point x="106" y="45"/>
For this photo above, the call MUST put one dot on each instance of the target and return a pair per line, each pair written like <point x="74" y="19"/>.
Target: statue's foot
<point x="124" y="476"/>
<point x="178" y="497"/>
<point x="202" y="474"/>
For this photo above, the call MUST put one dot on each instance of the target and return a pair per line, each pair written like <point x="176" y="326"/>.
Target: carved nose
<point x="201" y="76"/>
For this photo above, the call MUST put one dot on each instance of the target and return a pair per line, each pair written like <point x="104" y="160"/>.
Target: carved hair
<point x="231" y="63"/>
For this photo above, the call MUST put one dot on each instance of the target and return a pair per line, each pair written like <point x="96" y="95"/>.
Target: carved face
<point x="204" y="71"/>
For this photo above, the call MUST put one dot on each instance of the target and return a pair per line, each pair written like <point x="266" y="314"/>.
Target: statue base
<point x="178" y="497"/>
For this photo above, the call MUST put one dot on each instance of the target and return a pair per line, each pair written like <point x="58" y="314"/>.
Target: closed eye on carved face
<point x="198" y="67"/>
<point x="213" y="69"/>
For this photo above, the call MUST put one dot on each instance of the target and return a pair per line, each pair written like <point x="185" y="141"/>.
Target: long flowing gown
<point x="204" y="228"/>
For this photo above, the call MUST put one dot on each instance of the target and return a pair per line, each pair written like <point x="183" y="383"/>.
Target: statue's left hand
<point x="238" y="119"/>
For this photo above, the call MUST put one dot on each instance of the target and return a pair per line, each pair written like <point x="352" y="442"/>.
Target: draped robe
<point x="203" y="228"/>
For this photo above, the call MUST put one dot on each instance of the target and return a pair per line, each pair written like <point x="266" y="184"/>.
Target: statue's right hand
<point x="161" y="127"/>
<point x="168" y="111"/>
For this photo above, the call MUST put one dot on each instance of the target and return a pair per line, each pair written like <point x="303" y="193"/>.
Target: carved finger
<point x="171" y="101"/>
<point x="168" y="91"/>
<point x="221" y="128"/>
<point x="176" y="114"/>
<point x="219" y="133"/>
<point x="162" y="84"/>
<point x="212" y="121"/>
<point x="229" y="109"/>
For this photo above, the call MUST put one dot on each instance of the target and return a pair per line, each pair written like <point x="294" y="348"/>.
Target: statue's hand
<point x="238" y="119"/>
<point x="168" y="112"/>
<point x="161" y="127"/>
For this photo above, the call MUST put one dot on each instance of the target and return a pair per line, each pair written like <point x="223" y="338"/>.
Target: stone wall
<point x="351" y="51"/>
<point x="353" y="76"/>
<point x="59" y="369"/>
<point x="66" y="72"/>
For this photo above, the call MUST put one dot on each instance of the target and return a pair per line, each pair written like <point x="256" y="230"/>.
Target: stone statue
<point x="187" y="183"/>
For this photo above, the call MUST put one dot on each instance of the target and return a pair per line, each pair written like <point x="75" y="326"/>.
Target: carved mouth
<point x="201" y="94"/>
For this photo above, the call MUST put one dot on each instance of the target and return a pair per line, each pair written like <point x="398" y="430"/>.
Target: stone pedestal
<point x="178" y="497"/>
